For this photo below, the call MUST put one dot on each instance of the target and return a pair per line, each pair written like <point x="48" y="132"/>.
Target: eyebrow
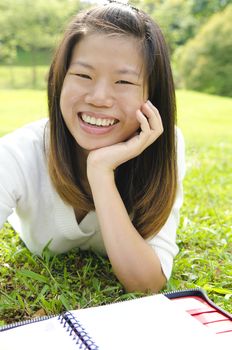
<point x="128" y="70"/>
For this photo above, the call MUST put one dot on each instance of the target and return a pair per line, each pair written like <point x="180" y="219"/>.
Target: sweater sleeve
<point x="12" y="182"/>
<point x="164" y="243"/>
<point x="11" y="179"/>
<point x="20" y="162"/>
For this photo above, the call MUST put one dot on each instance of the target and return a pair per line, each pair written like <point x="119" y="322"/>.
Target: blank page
<point x="152" y="322"/>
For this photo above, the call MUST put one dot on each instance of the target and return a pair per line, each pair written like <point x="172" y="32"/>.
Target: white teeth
<point x="97" y="121"/>
<point x="92" y="120"/>
<point x="88" y="119"/>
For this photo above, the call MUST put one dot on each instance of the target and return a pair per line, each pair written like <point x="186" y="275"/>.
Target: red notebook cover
<point x="198" y="305"/>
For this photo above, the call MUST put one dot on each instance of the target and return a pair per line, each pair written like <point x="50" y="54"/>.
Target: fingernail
<point x="149" y="103"/>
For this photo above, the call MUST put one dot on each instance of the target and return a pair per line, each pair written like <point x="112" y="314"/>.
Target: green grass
<point x="204" y="119"/>
<point x="19" y="107"/>
<point x="31" y="286"/>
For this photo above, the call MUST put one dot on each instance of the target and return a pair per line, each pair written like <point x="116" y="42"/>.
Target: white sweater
<point x="35" y="210"/>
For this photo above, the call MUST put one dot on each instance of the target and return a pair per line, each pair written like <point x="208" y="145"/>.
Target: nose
<point x="100" y="94"/>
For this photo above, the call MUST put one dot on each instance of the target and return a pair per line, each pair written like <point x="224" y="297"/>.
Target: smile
<point x="101" y="122"/>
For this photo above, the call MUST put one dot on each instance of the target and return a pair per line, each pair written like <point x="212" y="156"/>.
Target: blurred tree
<point x="204" y="63"/>
<point x="176" y="21"/>
<point x="148" y="6"/>
<point x="173" y="16"/>
<point x="205" y="8"/>
<point x="7" y="51"/>
<point x="32" y="26"/>
<point x="180" y="20"/>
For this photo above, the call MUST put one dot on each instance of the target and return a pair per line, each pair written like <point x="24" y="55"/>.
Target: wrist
<point x="99" y="175"/>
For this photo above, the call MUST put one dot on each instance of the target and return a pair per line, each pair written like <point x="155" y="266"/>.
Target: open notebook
<point x="151" y="322"/>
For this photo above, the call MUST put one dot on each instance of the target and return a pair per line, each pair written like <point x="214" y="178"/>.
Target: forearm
<point x="134" y="262"/>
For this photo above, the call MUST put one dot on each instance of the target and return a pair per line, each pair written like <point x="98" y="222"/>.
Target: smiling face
<point x="103" y="88"/>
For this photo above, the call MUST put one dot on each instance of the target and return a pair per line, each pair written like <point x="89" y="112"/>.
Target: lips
<point x="96" y="124"/>
<point x="97" y="120"/>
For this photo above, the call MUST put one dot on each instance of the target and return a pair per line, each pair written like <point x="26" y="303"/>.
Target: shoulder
<point x="24" y="146"/>
<point x="25" y="136"/>
<point x="28" y="131"/>
<point x="179" y="138"/>
<point x="180" y="149"/>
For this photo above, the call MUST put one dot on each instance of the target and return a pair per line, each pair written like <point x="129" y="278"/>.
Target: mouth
<point x="96" y="121"/>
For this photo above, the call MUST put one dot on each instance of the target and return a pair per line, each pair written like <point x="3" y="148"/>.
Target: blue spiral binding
<point x="75" y="329"/>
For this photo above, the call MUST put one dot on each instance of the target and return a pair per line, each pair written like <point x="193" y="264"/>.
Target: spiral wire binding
<point x="170" y="295"/>
<point x="76" y="330"/>
<point x="6" y="327"/>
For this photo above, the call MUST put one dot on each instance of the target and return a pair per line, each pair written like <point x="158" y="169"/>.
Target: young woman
<point x="105" y="172"/>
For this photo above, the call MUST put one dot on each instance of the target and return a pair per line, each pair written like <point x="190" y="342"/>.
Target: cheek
<point x="68" y="97"/>
<point x="62" y="99"/>
<point x="131" y="105"/>
<point x="131" y="123"/>
<point x="134" y="98"/>
<point x="64" y="96"/>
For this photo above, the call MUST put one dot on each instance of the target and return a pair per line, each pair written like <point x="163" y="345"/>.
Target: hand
<point x="110" y="157"/>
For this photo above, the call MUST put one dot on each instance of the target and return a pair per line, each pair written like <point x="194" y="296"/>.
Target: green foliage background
<point x="198" y="34"/>
<point x="204" y="63"/>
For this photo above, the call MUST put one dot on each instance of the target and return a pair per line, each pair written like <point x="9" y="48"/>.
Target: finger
<point x="146" y="136"/>
<point x="153" y="116"/>
<point x="144" y="124"/>
<point x="151" y="133"/>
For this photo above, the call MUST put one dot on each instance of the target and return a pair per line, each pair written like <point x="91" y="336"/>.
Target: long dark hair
<point x="147" y="183"/>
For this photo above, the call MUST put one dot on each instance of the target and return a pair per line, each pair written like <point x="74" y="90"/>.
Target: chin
<point x="91" y="146"/>
<point x="88" y="148"/>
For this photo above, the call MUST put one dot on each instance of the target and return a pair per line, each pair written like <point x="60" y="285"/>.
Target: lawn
<point x="31" y="286"/>
<point x="19" y="107"/>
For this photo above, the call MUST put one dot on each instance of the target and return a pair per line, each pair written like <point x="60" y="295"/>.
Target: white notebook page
<point x="152" y="322"/>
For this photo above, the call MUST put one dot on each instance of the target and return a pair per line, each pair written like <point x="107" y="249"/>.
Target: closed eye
<point x="124" y="82"/>
<point x="84" y="76"/>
